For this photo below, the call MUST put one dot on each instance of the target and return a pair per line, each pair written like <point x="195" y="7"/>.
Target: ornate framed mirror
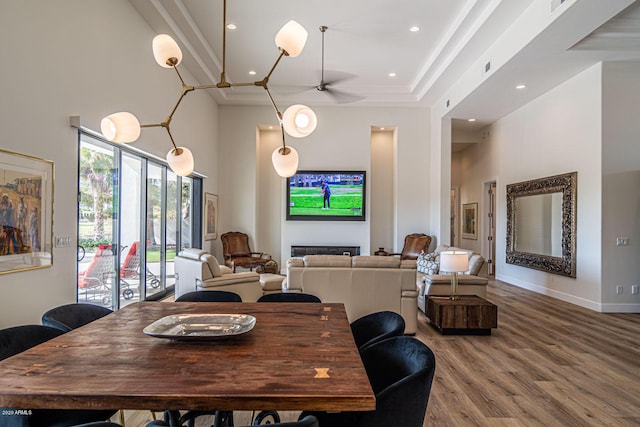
<point x="541" y="224"/>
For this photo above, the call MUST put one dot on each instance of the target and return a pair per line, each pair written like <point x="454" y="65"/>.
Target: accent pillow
<point x="428" y="263"/>
<point x="214" y="267"/>
<point x="421" y="261"/>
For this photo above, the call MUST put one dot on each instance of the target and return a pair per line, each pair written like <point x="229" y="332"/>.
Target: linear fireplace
<point x="299" y="251"/>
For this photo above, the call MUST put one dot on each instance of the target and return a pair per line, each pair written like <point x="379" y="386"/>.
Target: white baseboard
<point x="620" y="308"/>
<point x="582" y="302"/>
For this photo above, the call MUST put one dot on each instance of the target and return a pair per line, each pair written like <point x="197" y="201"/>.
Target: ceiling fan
<point x="327" y="86"/>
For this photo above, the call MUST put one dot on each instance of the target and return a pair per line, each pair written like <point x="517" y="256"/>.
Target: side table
<point x="469" y="314"/>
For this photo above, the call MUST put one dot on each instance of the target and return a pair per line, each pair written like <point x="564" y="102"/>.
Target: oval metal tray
<point x="200" y="327"/>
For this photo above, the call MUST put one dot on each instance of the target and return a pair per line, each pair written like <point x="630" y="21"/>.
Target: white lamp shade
<point x="180" y="161"/>
<point x="454" y="261"/>
<point x="299" y="121"/>
<point x="120" y="127"/>
<point x="291" y="38"/>
<point x="286" y="164"/>
<point x="165" y="48"/>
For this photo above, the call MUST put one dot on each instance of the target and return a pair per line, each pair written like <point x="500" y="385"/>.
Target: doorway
<point x="489" y="244"/>
<point x="454" y="209"/>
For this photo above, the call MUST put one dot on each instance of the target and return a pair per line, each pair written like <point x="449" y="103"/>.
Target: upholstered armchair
<point x="238" y="253"/>
<point x="413" y="245"/>
<point x="197" y="270"/>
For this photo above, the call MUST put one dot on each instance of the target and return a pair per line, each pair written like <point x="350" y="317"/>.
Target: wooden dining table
<point x="298" y="356"/>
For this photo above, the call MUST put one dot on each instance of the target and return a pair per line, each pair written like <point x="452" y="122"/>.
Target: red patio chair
<point x="94" y="281"/>
<point x="130" y="269"/>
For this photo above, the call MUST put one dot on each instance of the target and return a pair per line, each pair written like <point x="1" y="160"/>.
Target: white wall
<point x="440" y="185"/>
<point x="341" y="141"/>
<point x="239" y="173"/>
<point x="557" y="133"/>
<point x="587" y="124"/>
<point x="87" y="59"/>
<point x="382" y="184"/>
<point x="541" y="139"/>
<point x="269" y="195"/>
<point x="621" y="185"/>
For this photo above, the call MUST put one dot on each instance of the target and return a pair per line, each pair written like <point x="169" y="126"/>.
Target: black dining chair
<point x="289" y="297"/>
<point x="209" y="296"/>
<point x="71" y="316"/>
<point x="272" y="417"/>
<point x="400" y="370"/>
<point x="221" y="418"/>
<point x="374" y="327"/>
<point x="99" y="424"/>
<point x="17" y="339"/>
<point x="307" y="421"/>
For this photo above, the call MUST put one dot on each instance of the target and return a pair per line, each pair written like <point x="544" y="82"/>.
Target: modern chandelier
<point x="298" y="120"/>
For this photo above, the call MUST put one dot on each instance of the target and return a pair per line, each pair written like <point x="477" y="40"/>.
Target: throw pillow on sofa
<point x="428" y="263"/>
<point x="421" y="262"/>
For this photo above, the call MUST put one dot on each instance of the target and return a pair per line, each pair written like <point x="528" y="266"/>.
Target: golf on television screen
<point x="326" y="195"/>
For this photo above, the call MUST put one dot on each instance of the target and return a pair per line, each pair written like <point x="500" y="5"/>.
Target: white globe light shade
<point x="180" y="161"/>
<point x="165" y="48"/>
<point x="285" y="164"/>
<point x="299" y="121"/>
<point x="120" y="127"/>
<point x="291" y="38"/>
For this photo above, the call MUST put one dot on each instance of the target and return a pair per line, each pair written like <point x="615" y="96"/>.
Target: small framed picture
<point x="470" y="221"/>
<point x="210" y="216"/>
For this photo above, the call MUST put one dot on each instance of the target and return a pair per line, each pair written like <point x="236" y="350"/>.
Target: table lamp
<point x="454" y="262"/>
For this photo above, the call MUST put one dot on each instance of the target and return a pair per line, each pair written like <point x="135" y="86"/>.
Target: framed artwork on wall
<point x="470" y="221"/>
<point x="210" y="216"/>
<point x="26" y="212"/>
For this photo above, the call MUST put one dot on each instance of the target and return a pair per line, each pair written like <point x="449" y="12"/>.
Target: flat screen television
<point x="326" y="196"/>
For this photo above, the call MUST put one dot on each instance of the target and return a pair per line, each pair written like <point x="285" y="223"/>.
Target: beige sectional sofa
<point x="365" y="284"/>
<point x="469" y="282"/>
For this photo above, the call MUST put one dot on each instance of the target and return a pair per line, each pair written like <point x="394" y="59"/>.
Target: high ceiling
<point x="368" y="39"/>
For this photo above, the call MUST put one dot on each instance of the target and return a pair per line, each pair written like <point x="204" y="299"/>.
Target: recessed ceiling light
<point x="414" y="29"/>
<point x="521" y="86"/>
<point x="253" y="73"/>
<point x="231" y="26"/>
<point x="382" y="128"/>
<point x="471" y="120"/>
<point x="392" y="74"/>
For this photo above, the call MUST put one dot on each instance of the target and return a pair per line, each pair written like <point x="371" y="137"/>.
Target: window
<point x="134" y="215"/>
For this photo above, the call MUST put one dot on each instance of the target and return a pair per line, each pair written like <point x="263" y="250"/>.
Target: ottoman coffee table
<point x="271" y="283"/>
<point x="469" y="314"/>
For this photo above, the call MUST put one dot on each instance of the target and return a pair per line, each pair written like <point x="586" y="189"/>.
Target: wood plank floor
<point x="549" y="363"/>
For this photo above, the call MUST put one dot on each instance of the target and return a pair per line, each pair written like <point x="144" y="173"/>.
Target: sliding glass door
<point x="155" y="248"/>
<point x="134" y="216"/>
<point x="131" y="233"/>
<point x="97" y="230"/>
